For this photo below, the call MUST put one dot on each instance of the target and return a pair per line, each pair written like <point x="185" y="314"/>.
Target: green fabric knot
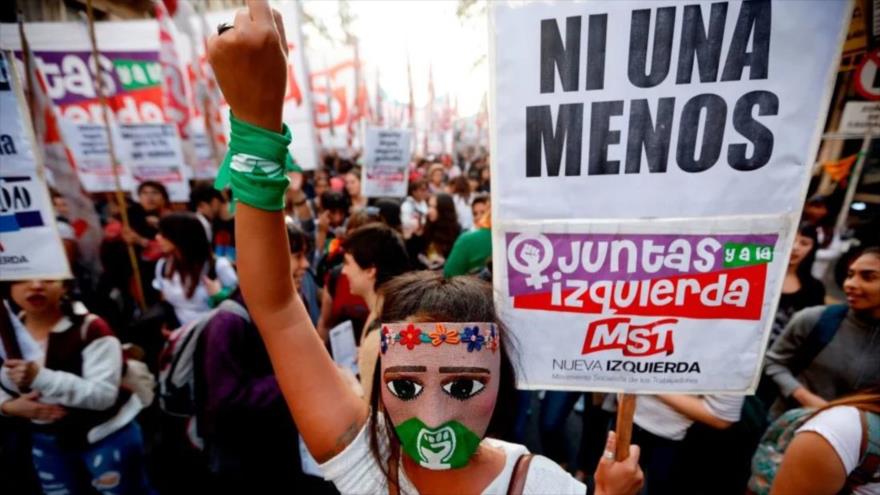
<point x="257" y="148"/>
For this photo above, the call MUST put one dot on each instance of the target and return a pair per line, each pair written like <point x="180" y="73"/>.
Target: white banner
<point x="88" y="147"/>
<point x="386" y="162"/>
<point x="30" y="246"/>
<point x="611" y="117"/>
<point x="152" y="152"/>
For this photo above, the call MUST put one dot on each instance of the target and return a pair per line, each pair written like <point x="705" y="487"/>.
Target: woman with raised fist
<point x="444" y="365"/>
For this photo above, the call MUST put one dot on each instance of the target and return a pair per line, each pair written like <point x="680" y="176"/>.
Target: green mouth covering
<point x="448" y="446"/>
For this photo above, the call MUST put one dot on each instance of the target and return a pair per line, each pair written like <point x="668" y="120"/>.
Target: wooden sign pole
<point x="626" y="408"/>
<point x="114" y="163"/>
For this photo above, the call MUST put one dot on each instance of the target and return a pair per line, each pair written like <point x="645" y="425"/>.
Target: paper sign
<point x="343" y="347"/>
<point x="152" y="152"/>
<point x="386" y="162"/>
<point x="30" y="246"/>
<point x="860" y="117"/>
<point x="649" y="165"/>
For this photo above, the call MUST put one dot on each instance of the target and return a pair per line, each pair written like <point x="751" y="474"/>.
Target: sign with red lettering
<point x="649" y="167"/>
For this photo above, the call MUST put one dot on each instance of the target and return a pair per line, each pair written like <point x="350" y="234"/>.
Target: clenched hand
<point x="250" y="63"/>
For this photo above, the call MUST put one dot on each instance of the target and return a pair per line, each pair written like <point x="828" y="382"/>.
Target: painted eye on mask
<point x="463" y="388"/>
<point x="404" y="389"/>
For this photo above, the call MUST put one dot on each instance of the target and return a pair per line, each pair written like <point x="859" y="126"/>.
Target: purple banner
<point x="535" y="259"/>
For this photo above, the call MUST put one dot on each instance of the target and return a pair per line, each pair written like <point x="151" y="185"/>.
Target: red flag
<point x="173" y="80"/>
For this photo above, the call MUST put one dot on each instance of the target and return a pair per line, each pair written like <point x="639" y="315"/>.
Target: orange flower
<point x="441" y="335"/>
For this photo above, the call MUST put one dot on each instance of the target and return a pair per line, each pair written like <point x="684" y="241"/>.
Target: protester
<point x="441" y="230"/>
<point x="189" y="277"/>
<point x="831" y="351"/>
<point x="338" y="303"/>
<point x="353" y="449"/>
<point x="208" y="204"/>
<point x="153" y="198"/>
<point x="320" y="185"/>
<point x="335" y="210"/>
<point x="436" y="178"/>
<point x="816" y="213"/>
<point x="82" y="420"/>
<point x="479" y="208"/>
<point x="485" y="180"/>
<point x="414" y="208"/>
<point x="460" y="190"/>
<point x="472" y="251"/>
<point x="799" y="289"/>
<point x="374" y="254"/>
<point x="661" y="423"/>
<point x="296" y="204"/>
<point x="251" y="443"/>
<point x="299" y="269"/>
<point x="834" y="450"/>
<point x="353" y="189"/>
<point x="389" y="211"/>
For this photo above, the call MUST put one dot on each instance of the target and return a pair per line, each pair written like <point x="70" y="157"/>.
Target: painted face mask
<point x="439" y="387"/>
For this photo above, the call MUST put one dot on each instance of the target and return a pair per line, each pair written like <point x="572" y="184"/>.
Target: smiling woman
<point x="811" y="370"/>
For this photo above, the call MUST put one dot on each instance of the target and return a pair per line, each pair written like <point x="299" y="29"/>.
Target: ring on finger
<point x="223" y="27"/>
<point x="608" y="455"/>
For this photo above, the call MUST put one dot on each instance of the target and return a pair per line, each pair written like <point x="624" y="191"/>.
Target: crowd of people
<point x="206" y="364"/>
<point x="93" y="416"/>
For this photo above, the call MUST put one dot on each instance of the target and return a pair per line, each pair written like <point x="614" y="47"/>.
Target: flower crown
<point x="476" y="336"/>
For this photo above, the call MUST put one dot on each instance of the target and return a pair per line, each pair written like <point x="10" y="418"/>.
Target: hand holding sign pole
<point x="626" y="408"/>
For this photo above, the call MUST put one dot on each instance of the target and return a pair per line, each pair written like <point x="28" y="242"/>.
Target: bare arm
<point x="249" y="62"/>
<point x="307" y="376"/>
<point x="695" y="409"/>
<point x="810" y="467"/>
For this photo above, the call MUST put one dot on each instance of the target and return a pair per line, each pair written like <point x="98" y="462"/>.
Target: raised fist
<point x="436" y="447"/>
<point x="250" y="63"/>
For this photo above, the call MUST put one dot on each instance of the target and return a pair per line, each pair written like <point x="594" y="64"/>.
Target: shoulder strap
<point x="234" y="307"/>
<point x="520" y="472"/>
<point x="84" y="327"/>
<point x="868" y="469"/>
<point x="821" y="334"/>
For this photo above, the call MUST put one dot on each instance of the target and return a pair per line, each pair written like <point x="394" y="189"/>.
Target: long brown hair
<point x="867" y="399"/>
<point x="425" y="296"/>
<point x="445" y="230"/>
<point x="185" y="231"/>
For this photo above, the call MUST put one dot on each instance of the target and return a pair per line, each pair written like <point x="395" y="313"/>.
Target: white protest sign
<point x="152" y="152"/>
<point x="386" y="162"/>
<point x="343" y="347"/>
<point x="205" y="165"/>
<point x="90" y="152"/>
<point x="30" y="246"/>
<point x="649" y="165"/>
<point x="860" y="117"/>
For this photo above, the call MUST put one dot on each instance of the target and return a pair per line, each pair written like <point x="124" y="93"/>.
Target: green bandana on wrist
<point x="448" y="446"/>
<point x="253" y="165"/>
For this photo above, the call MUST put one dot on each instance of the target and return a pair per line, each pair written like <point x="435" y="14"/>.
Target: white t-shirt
<point x="355" y="471"/>
<point x="463" y="212"/>
<point x="412" y="214"/>
<point x="173" y="291"/>
<point x="842" y="428"/>
<point x="658" y="418"/>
